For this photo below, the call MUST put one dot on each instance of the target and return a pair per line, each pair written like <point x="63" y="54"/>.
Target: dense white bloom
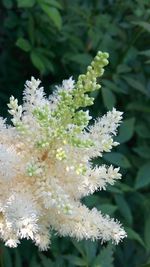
<point x="103" y="130"/>
<point x="9" y="162"/>
<point x="46" y="163"/>
<point x="68" y="84"/>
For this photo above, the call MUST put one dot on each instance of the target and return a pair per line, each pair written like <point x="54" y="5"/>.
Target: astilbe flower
<point x="46" y="163"/>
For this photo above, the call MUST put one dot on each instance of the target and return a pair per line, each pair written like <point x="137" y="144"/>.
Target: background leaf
<point x="104" y="258"/>
<point x="7" y="3"/>
<point x="145" y="25"/>
<point x="109" y="98"/>
<point x="135" y="236"/>
<point x="147" y="233"/>
<point x="117" y="159"/>
<point x="53" y="14"/>
<point x="23" y="44"/>
<point x="126" y="130"/>
<point x="25" y="3"/>
<point x="124" y="208"/>
<point x="143" y="176"/>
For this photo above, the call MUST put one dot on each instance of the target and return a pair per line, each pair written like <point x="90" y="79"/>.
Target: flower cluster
<point x="46" y="163"/>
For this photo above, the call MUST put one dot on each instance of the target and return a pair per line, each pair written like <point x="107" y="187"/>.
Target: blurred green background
<point x="53" y="40"/>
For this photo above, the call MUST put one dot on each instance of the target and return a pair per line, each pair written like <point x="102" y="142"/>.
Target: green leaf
<point x="107" y="208"/>
<point x="111" y="85"/>
<point x="34" y="262"/>
<point x="109" y="98"/>
<point x="31" y="29"/>
<point x="7" y="260"/>
<point x="142" y="151"/>
<point x="135" y="84"/>
<point x="53" y="14"/>
<point x="23" y="44"/>
<point x="75" y="260"/>
<point x="37" y="61"/>
<point x="146" y="265"/>
<point x="25" y="3"/>
<point x="45" y="58"/>
<point x="139" y="107"/>
<point x="11" y="21"/>
<point x="124" y="208"/>
<point x="105" y="258"/>
<point x="45" y="261"/>
<point x="124" y="187"/>
<point x="145" y="53"/>
<point x="143" y="176"/>
<point x="145" y="25"/>
<point x="7" y="3"/>
<point x="81" y="58"/>
<point x="118" y="159"/>
<point x="18" y="262"/>
<point x="122" y="68"/>
<point x="90" y="248"/>
<point x="114" y="190"/>
<point x="142" y="130"/>
<point x="53" y="3"/>
<point x="131" y="234"/>
<point x="92" y="200"/>
<point x="126" y="130"/>
<point x="79" y="247"/>
<point x="147" y="233"/>
<point x="147" y="61"/>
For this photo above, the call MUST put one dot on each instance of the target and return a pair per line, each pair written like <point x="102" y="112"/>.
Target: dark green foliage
<point x="53" y="40"/>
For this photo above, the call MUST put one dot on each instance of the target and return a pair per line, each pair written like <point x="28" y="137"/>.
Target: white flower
<point x="68" y="84"/>
<point x="9" y="163"/>
<point x="45" y="163"/>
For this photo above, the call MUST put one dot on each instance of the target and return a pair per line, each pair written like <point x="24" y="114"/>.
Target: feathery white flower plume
<point x="45" y="163"/>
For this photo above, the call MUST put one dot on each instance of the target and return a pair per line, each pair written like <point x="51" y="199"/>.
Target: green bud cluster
<point x="55" y="123"/>
<point x="87" y="82"/>
<point x="71" y="101"/>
